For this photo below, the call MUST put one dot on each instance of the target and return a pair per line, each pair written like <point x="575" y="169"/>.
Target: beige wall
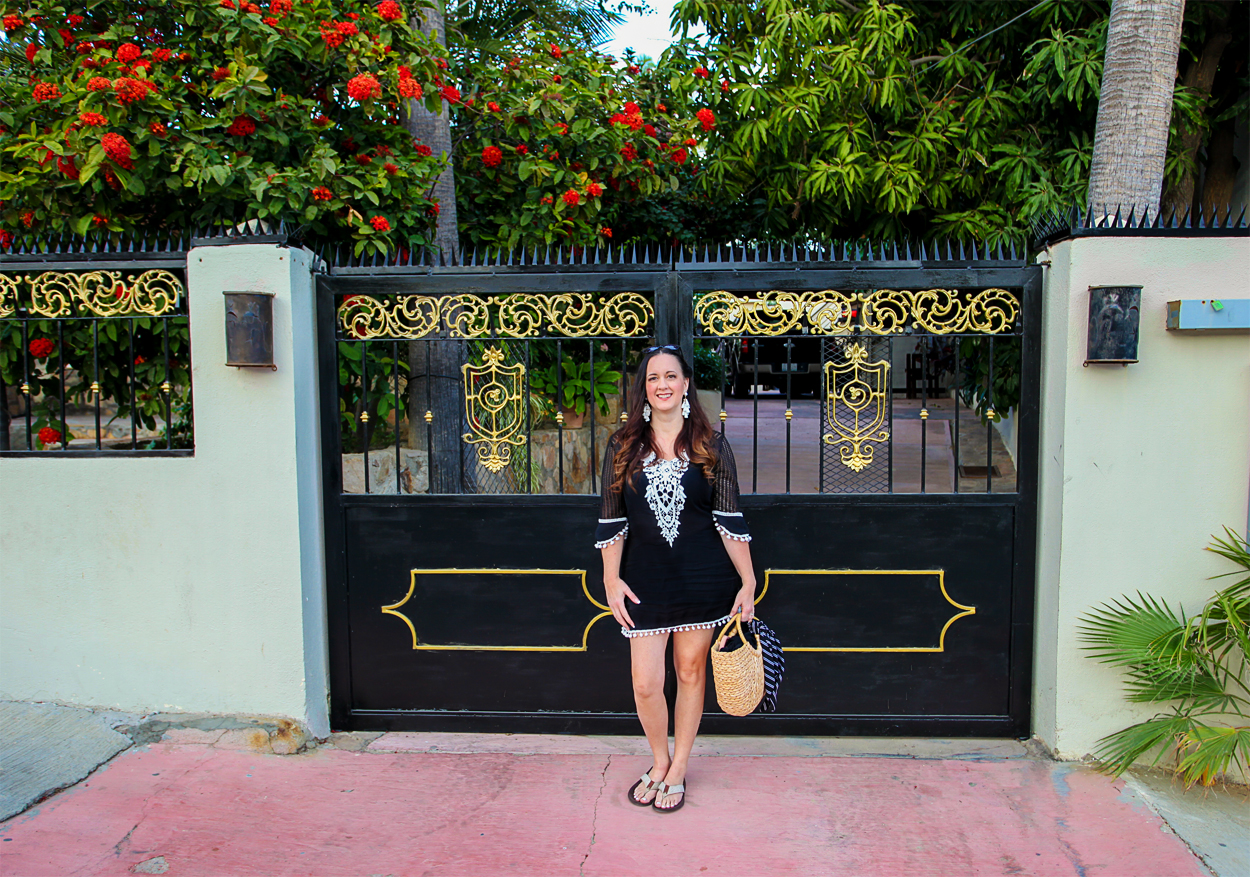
<point x="193" y="584"/>
<point x="1140" y="465"/>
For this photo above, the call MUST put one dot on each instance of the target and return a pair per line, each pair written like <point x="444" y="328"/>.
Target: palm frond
<point x="1131" y="632"/>
<point x="1161" y="682"/>
<point x="1118" y="752"/>
<point x="1211" y="751"/>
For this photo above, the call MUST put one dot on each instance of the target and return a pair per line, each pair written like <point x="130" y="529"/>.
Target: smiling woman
<point x="675" y="556"/>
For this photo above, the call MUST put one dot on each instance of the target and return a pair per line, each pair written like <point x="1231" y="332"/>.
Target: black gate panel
<point x="906" y="610"/>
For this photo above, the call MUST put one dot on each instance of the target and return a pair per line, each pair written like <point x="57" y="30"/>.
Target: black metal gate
<point x="467" y="407"/>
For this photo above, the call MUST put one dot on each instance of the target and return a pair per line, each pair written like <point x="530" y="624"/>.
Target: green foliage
<point x="367" y="384"/>
<point x="137" y="116"/>
<point x="75" y="356"/>
<point x="709" y="366"/>
<point x="556" y="141"/>
<point x="1199" y="664"/>
<point x="892" y="119"/>
<point x="575" y="386"/>
<point x="990" y="383"/>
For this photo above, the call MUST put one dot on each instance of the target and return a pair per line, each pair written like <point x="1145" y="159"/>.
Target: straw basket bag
<point x="738" y="674"/>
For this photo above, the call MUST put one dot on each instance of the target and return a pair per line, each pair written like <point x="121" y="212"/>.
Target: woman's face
<point x="665" y="384"/>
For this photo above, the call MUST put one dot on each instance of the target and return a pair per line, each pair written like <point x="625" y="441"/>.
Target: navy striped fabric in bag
<point x="774" y="664"/>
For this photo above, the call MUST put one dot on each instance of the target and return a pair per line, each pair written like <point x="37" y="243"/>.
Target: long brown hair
<point x="635" y="439"/>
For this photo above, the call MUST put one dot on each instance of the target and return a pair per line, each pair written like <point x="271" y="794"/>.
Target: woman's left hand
<point x="744" y="602"/>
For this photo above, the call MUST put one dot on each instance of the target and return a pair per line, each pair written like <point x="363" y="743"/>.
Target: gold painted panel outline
<point x="941" y="576"/>
<point x="393" y="609"/>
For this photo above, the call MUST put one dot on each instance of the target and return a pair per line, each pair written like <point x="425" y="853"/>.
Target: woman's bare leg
<point x="690" y="656"/>
<point x="647" y="665"/>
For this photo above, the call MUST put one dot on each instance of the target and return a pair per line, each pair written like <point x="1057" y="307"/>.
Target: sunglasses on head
<point x="673" y="347"/>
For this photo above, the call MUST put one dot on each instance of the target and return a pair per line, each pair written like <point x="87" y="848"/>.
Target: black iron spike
<point x="1131" y="222"/>
<point x="1241" y="217"/>
<point x="1187" y="220"/>
<point x="975" y="256"/>
<point x="1202" y="218"/>
<point x="962" y="256"/>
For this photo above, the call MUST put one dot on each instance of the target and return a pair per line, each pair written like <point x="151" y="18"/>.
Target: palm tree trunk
<point x="1200" y="76"/>
<point x="435" y="366"/>
<point x="1135" y="107"/>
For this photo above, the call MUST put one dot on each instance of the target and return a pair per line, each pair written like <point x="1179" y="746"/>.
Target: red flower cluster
<point x="49" y="436"/>
<point x="13" y="22"/>
<point x="220" y="73"/>
<point x="389" y="10"/>
<point x="661" y="108"/>
<point x="6" y="238"/>
<point x="556" y="52"/>
<point x="158" y="129"/>
<point x="390" y="168"/>
<point x="594" y="190"/>
<point x="433" y="210"/>
<point x="128" y="52"/>
<point x="649" y="130"/>
<point x="707" y="118"/>
<point x="363" y="87"/>
<point x="492" y="106"/>
<point x="322" y="119"/>
<point x="330" y="34"/>
<point x="562" y="127"/>
<point x="347" y="28"/>
<point x="680" y="156"/>
<point x="321" y="193"/>
<point x="492" y="156"/>
<point x="74" y="20"/>
<point x="243" y="126"/>
<point x="227" y="4"/>
<point x="633" y="68"/>
<point x="628" y="152"/>
<point x="41" y="348"/>
<point x="701" y="72"/>
<point x="117" y="148"/>
<point x="65" y="164"/>
<point x="99" y="220"/>
<point x="279" y="7"/>
<point x="380" y="223"/>
<point x="45" y="91"/>
<point x="31" y="51"/>
<point x="161" y="54"/>
<point x="93" y="119"/>
<point x="409" y="87"/>
<point x="724" y="85"/>
<point x="270" y="20"/>
<point x="364" y="159"/>
<point x="28" y="219"/>
<point x="451" y="94"/>
<point x="522" y="149"/>
<point x="423" y="150"/>
<point x="571" y="198"/>
<point x="131" y="90"/>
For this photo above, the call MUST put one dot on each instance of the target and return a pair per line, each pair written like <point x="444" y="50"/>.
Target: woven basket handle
<point x="736" y="620"/>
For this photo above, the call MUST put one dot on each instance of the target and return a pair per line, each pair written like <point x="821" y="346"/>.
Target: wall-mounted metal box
<point x="1114" y="313"/>
<point x="1207" y="314"/>
<point x="249" y="329"/>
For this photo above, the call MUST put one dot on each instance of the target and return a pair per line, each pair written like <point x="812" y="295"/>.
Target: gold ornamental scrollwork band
<point x="519" y="315"/>
<point x="153" y="293"/>
<point x="879" y="312"/>
<point x="855" y="408"/>
<point x="493" y="408"/>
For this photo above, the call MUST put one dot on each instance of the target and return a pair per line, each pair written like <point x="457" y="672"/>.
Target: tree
<point x="1135" y="107"/>
<point x="126" y="116"/>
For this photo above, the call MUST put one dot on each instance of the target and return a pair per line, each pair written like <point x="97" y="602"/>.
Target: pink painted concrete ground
<point x="207" y="810"/>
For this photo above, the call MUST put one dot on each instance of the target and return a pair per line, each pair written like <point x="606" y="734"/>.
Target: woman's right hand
<point x="617" y="592"/>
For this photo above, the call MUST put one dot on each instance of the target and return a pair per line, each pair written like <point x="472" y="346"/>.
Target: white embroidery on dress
<point x="665" y="494"/>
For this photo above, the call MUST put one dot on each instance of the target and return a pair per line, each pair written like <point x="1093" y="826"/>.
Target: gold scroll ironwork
<point x="516" y="315"/>
<point x="153" y="293"/>
<point x="858" y="386"/>
<point x="493" y="408"/>
<point x="879" y="312"/>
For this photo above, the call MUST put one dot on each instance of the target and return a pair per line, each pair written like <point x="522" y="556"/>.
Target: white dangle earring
<point x="646" y="411"/>
<point x="685" y="404"/>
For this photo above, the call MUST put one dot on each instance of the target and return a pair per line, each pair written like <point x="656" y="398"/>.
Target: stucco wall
<point x="183" y="583"/>
<point x="1140" y="465"/>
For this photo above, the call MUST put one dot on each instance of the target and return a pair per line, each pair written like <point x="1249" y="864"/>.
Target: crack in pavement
<point x="594" y="819"/>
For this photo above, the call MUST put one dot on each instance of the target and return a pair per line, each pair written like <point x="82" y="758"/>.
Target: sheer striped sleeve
<point x="725" y="511"/>
<point x="613" y="524"/>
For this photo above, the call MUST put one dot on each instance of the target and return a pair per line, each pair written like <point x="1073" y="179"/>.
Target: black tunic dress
<point x="672" y="518"/>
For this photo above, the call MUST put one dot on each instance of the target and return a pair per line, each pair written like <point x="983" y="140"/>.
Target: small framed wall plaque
<point x="1114" y="321"/>
<point x="249" y="330"/>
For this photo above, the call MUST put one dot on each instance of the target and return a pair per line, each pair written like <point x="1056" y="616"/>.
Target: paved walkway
<point x="205" y="802"/>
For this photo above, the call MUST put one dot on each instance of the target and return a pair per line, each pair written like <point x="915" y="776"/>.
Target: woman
<point x="675" y="556"/>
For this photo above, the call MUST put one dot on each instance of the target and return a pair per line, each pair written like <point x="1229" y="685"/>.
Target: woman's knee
<point x="692" y="671"/>
<point x="648" y="686"/>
